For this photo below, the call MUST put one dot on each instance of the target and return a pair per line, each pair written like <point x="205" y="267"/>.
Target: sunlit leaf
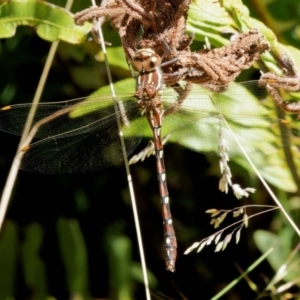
<point x="74" y="256"/>
<point x="9" y="245"/>
<point x="208" y="19"/>
<point x="51" y="22"/>
<point x="278" y="258"/>
<point x="34" y="266"/>
<point x="116" y="57"/>
<point x="118" y="248"/>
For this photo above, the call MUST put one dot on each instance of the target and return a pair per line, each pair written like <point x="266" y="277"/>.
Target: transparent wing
<point x="201" y="122"/>
<point x="82" y="135"/>
<point x="75" y="135"/>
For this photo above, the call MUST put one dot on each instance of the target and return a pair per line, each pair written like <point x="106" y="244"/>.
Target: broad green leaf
<point x="33" y="266"/>
<point x="137" y="275"/>
<point x="264" y="240"/>
<point x="116" y="57"/>
<point x="125" y="272"/>
<point x="206" y="121"/>
<point x="120" y="87"/>
<point x="118" y="248"/>
<point x="8" y="259"/>
<point x="207" y="18"/>
<point x="211" y="19"/>
<point x="51" y="22"/>
<point x="273" y="168"/>
<point x="240" y="14"/>
<point x="74" y="256"/>
<point x="282" y="17"/>
<point x="293" y="53"/>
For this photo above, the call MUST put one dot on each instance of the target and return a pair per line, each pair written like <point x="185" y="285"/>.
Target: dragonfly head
<point x="145" y="60"/>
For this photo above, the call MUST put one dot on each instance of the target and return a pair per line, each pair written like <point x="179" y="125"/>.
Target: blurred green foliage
<point x="72" y="236"/>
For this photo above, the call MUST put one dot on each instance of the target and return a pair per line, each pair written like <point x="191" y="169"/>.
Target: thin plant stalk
<point x="284" y="268"/>
<point x="12" y="175"/>
<point x="235" y="281"/>
<point x="127" y="169"/>
<point x="289" y="219"/>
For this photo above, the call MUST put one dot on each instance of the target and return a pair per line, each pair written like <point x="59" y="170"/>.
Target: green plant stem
<point x="11" y="179"/>
<point x="234" y="282"/>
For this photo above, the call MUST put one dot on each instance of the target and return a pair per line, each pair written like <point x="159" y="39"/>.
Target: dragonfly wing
<point x="74" y="136"/>
<point x="60" y="117"/>
<point x="202" y="121"/>
<point x="88" y="150"/>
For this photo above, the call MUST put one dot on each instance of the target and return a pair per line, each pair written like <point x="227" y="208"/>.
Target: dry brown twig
<point x="221" y="66"/>
<point x="164" y="22"/>
<point x="289" y="82"/>
<point x="130" y="16"/>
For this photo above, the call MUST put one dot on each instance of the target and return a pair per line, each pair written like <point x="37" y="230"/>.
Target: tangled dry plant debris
<point x="158" y="20"/>
<point x="155" y="24"/>
<point x="164" y="22"/>
<point x="289" y="82"/>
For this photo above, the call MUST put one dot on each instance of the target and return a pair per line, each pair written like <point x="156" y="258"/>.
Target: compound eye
<point x="137" y="65"/>
<point x="145" y="60"/>
<point x="152" y="62"/>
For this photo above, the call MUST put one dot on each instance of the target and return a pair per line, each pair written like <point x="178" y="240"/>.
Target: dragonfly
<point x="82" y="135"/>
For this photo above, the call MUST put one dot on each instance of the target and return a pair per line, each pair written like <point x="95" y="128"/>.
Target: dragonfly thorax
<point x="149" y="81"/>
<point x="145" y="60"/>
